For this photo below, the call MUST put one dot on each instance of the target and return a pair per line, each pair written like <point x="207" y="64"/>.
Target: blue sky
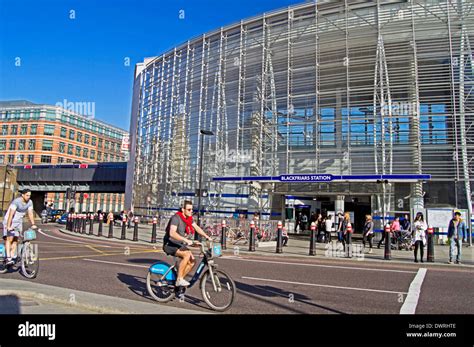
<point x="82" y="59"/>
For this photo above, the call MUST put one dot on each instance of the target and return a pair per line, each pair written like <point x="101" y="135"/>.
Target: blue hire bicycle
<point x="27" y="255"/>
<point x="217" y="287"/>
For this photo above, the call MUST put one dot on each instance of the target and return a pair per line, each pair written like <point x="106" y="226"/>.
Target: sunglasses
<point x="188" y="209"/>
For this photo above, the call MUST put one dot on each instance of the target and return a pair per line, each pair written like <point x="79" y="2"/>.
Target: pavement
<point x="298" y="246"/>
<point x="22" y="297"/>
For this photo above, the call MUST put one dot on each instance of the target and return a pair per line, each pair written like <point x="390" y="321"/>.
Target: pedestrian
<point x="340" y="219"/>
<point x="298" y="222"/>
<point x="395" y="228"/>
<point x="285" y="237"/>
<point x="456" y="234"/>
<point x="368" y="232"/>
<point x="328" y="223"/>
<point x="346" y="237"/>
<point x="304" y="222"/>
<point x="419" y="232"/>
<point x="129" y="220"/>
<point x="405" y="223"/>
<point x="321" y="225"/>
<point x="383" y="234"/>
<point x="110" y="218"/>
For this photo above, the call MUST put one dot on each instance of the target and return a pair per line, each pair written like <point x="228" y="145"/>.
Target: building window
<point x="31" y="158"/>
<point x="46" y="159"/>
<point x="60" y="160"/>
<point x="94" y="140"/>
<point x="12" y="145"/>
<point x="4" y="129"/>
<point x="47" y="145"/>
<point x="106" y="146"/>
<point x="33" y="129"/>
<point x="11" y="158"/>
<point x="86" y="139"/>
<point x="99" y="156"/>
<point x="79" y="136"/>
<point x="62" y="146"/>
<point x="92" y="154"/>
<point x="49" y="130"/>
<point x="22" y="145"/>
<point x="70" y="149"/>
<point x="63" y="132"/>
<point x="100" y="143"/>
<point x="3" y="145"/>
<point x="68" y="160"/>
<point x="31" y="145"/>
<point x="72" y="134"/>
<point x="85" y="153"/>
<point x="14" y="130"/>
<point x="106" y="157"/>
<point x="20" y="158"/>
<point x="78" y="151"/>
<point x="2" y="159"/>
<point x="24" y="129"/>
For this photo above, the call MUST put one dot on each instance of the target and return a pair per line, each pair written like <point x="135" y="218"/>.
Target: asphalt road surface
<point x="264" y="284"/>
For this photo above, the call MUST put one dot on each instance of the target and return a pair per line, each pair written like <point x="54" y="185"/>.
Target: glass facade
<point x="330" y="88"/>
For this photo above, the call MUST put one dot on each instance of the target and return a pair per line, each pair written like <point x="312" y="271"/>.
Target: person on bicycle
<point x="13" y="222"/>
<point x="175" y="240"/>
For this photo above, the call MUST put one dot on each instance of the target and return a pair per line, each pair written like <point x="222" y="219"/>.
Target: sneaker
<point x="458" y="262"/>
<point x="182" y="283"/>
<point x="370" y="250"/>
<point x="416" y="260"/>
<point x="422" y="260"/>
<point x="9" y="261"/>
<point x="450" y="262"/>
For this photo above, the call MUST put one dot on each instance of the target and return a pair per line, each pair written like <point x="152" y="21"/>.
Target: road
<point x="265" y="284"/>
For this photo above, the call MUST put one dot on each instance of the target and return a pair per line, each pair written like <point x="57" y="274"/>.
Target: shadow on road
<point x="9" y="304"/>
<point x="259" y="292"/>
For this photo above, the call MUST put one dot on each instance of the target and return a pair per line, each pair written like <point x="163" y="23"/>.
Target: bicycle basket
<point x="29" y="235"/>
<point x="216" y="250"/>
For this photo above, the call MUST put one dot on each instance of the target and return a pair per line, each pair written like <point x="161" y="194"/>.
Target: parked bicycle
<point x="217" y="287"/>
<point x="27" y="256"/>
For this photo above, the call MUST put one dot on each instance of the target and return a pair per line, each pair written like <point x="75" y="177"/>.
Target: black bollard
<point x="388" y="243"/>
<point x="279" y="246"/>
<point x="91" y="224"/>
<point x="153" y="230"/>
<point x="252" y="237"/>
<point x="124" y="225"/>
<point x="68" y="221"/>
<point x="135" y="229"/>
<point x="111" y="229"/>
<point x="74" y="225"/>
<point x="430" y="246"/>
<point x="312" y="239"/>
<point x="101" y="221"/>
<point x="223" y="235"/>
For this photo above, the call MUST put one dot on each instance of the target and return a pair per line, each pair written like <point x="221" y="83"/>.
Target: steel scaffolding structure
<point x="337" y="87"/>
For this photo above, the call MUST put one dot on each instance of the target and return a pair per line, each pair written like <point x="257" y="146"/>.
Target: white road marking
<point x="114" y="263"/>
<point x="59" y="238"/>
<point x="324" y="285"/>
<point x="411" y="301"/>
<point x="318" y="265"/>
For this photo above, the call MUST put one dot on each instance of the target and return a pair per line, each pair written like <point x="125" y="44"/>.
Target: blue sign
<point x="306" y="178"/>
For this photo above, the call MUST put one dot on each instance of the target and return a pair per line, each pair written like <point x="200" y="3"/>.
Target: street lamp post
<point x="210" y="133"/>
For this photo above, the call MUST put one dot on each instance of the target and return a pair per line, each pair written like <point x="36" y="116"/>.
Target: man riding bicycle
<point x="13" y="222"/>
<point x="175" y="241"/>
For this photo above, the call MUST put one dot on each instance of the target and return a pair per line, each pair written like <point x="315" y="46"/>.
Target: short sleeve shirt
<point x="180" y="229"/>
<point x="20" y="210"/>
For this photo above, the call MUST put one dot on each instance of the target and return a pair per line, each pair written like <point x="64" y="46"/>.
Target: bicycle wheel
<point x="159" y="288"/>
<point x="3" y="266"/>
<point x="222" y="299"/>
<point x="29" y="260"/>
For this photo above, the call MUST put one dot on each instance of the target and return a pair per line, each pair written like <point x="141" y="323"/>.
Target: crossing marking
<point x="411" y="301"/>
<point x="325" y="285"/>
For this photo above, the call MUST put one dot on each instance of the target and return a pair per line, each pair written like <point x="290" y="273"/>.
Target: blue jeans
<point x="455" y="244"/>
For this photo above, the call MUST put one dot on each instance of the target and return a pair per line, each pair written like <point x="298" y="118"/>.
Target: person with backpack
<point x="419" y="235"/>
<point x="456" y="233"/>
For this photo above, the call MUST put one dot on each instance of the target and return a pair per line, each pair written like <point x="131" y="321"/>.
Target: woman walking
<point x="368" y="232"/>
<point x="419" y="232"/>
<point x="347" y="235"/>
